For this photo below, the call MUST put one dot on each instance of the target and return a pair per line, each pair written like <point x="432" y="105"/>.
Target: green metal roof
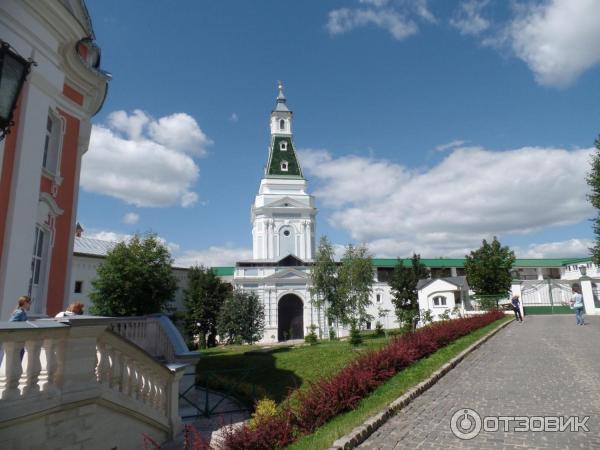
<point x="541" y="262"/>
<point x="577" y="260"/>
<point x="460" y="262"/>
<point x="223" y="271"/>
<point x="445" y="262"/>
<point x="429" y="262"/>
<point x="277" y="156"/>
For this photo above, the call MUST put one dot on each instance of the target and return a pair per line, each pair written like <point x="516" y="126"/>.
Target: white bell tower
<point x="283" y="213"/>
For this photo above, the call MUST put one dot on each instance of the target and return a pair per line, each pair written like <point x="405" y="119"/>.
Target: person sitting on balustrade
<point x="20" y="314"/>
<point x="74" y="309"/>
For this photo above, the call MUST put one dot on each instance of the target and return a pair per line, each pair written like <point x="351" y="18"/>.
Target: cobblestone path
<point x="542" y="367"/>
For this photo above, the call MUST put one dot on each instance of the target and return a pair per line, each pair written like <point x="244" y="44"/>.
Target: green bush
<point x="445" y="315"/>
<point x="379" y="331"/>
<point x="355" y="336"/>
<point x="312" y="338"/>
<point x="426" y="316"/>
<point x="265" y="409"/>
<point x="332" y="335"/>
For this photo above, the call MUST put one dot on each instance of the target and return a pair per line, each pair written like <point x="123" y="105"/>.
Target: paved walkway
<point x="544" y="366"/>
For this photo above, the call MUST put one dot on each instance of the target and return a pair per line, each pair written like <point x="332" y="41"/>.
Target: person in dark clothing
<point x="517" y="308"/>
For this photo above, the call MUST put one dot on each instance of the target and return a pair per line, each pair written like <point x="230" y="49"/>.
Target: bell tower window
<point x="283" y="146"/>
<point x="282" y="124"/>
<point x="284" y="166"/>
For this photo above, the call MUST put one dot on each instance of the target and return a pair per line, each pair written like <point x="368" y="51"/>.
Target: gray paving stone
<point x="545" y="366"/>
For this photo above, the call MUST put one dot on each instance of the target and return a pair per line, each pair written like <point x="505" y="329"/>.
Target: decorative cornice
<point x="49" y="200"/>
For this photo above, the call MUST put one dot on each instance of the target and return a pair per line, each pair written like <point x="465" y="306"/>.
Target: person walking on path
<point x="517" y="308"/>
<point x="20" y="314"/>
<point x="577" y="304"/>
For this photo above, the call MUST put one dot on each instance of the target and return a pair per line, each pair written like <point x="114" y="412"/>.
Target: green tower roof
<point x="283" y="163"/>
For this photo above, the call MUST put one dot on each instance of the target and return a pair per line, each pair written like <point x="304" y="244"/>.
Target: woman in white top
<point x="577" y="303"/>
<point x="74" y="309"/>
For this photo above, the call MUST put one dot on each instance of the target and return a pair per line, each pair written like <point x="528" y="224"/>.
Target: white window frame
<point x="53" y="143"/>
<point x="40" y="266"/>
<point x="284" y="166"/>
<point x="283" y="146"/>
<point x="282" y="124"/>
<point x="442" y="301"/>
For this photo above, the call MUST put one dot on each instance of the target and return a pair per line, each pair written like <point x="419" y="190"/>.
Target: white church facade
<point x="283" y="220"/>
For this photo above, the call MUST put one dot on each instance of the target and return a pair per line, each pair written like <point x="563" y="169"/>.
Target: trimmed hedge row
<point x="330" y="396"/>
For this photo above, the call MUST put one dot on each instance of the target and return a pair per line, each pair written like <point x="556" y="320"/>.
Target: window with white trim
<point x="378" y="298"/>
<point x="439" y="301"/>
<point x="282" y="124"/>
<point x="284" y="166"/>
<point x="38" y="266"/>
<point x="52" y="138"/>
<point x="283" y="146"/>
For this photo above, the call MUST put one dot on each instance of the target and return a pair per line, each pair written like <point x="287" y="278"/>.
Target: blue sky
<point x="422" y="125"/>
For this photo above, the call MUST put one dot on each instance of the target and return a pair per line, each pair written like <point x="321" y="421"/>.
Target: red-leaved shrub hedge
<point x="330" y="396"/>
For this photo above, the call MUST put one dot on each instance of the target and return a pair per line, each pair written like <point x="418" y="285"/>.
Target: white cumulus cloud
<point x="558" y="39"/>
<point x="107" y="235"/>
<point x="398" y="17"/>
<point x="213" y="256"/>
<point x="565" y="249"/>
<point x="446" y="210"/>
<point x="144" y="161"/>
<point x="468" y="19"/>
<point x="131" y="218"/>
<point x="450" y="145"/>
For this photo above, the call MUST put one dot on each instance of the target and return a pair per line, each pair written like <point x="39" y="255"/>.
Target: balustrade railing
<point x="45" y="364"/>
<point x="157" y="335"/>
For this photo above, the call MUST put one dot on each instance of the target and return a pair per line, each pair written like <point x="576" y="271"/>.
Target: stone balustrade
<point x="157" y="335"/>
<point x="47" y="365"/>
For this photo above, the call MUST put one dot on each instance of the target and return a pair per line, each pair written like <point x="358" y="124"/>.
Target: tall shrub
<point x="135" y="279"/>
<point x="242" y="318"/>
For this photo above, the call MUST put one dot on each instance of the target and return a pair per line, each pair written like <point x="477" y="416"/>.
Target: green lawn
<point x="249" y="373"/>
<point x="386" y="393"/>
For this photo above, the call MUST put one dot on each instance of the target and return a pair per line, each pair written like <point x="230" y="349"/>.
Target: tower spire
<point x="281" y="100"/>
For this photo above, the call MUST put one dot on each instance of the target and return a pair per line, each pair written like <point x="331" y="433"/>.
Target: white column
<point x="302" y="249"/>
<point x="540" y="276"/>
<point x="254" y="240"/>
<point x="15" y="263"/>
<point x="309" y="254"/>
<point x="588" y="296"/>
<point x="453" y="271"/>
<point x="268" y="240"/>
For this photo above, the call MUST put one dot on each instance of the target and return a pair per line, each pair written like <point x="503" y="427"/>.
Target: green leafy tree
<point x="488" y="269"/>
<point x="135" y="279"/>
<point x="203" y="298"/>
<point x="324" y="288"/>
<point x="242" y="318"/>
<point x="403" y="284"/>
<point x="593" y="180"/>
<point x="355" y="284"/>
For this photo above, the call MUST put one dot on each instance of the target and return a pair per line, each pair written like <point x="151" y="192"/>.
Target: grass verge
<point x="275" y="373"/>
<point x="389" y="391"/>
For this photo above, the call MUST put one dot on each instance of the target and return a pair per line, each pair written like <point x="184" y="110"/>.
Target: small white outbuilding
<point x="444" y="296"/>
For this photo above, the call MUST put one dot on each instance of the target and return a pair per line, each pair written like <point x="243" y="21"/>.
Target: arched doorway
<point x="290" y="318"/>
